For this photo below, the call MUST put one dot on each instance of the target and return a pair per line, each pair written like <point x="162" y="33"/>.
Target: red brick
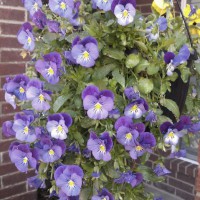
<point x="5" y="158"/>
<point x="7" y="168"/>
<point x="2" y="95"/>
<point x="184" y="195"/>
<point x="16" y="178"/>
<point x="7" y="42"/>
<point x="7" y="108"/>
<point x="11" y="3"/>
<point x="12" y="14"/>
<point x="144" y="2"/>
<point x="11" y="69"/>
<point x="4" y="145"/>
<point x="186" y="178"/>
<point x="29" y="195"/>
<point x="10" y="55"/>
<point x="5" y="118"/>
<point x="13" y="190"/>
<point x="146" y="9"/>
<point x="9" y="29"/>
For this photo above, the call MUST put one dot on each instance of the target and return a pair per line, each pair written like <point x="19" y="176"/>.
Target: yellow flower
<point x="193" y="16"/>
<point x="160" y="6"/>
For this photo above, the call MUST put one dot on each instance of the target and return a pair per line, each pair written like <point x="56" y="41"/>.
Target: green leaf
<point x="60" y="102"/>
<point x="132" y="60"/>
<point x="85" y="193"/>
<point x="87" y="123"/>
<point x="141" y="66"/>
<point x="151" y="69"/>
<point x="49" y="37"/>
<point x="78" y="137"/>
<point x="197" y="67"/>
<point x="185" y="74"/>
<point x="141" y="46"/>
<point x="114" y="53"/>
<point x="71" y="37"/>
<point x="119" y="77"/>
<point x="145" y="85"/>
<point x="103" y="71"/>
<point x="171" y="106"/>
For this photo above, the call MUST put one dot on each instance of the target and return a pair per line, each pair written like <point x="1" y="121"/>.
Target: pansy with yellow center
<point x="100" y="146"/>
<point x="171" y="137"/>
<point x="104" y="4"/>
<point x="32" y="6"/>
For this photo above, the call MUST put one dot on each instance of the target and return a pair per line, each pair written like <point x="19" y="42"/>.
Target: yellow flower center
<point x="51" y="152"/>
<point x="138" y="148"/>
<point x="102" y="148"/>
<point x="98" y="106"/>
<point x="59" y="128"/>
<point x="104" y="198"/>
<point x="71" y="184"/>
<point x="25" y="160"/>
<point x="134" y="108"/>
<point x="50" y="71"/>
<point x="129" y="136"/>
<point x="29" y="40"/>
<point x="41" y="97"/>
<point x="21" y="90"/>
<point x="86" y="55"/>
<point x="125" y="13"/>
<point x="171" y="135"/>
<point x="105" y="1"/>
<point x="26" y="130"/>
<point x="63" y="6"/>
<point x="35" y="6"/>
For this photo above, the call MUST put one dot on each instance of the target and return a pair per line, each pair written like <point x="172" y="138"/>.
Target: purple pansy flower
<point x="86" y="153"/>
<point x="151" y="117"/>
<point x="136" y="109"/>
<point x="97" y="103"/>
<point x="53" y="26"/>
<point x="131" y="178"/>
<point x="161" y="170"/>
<point x="50" y="67"/>
<point x="103" y="194"/>
<point x="9" y="98"/>
<point x="131" y="94"/>
<point x="32" y="5"/>
<point x="177" y="154"/>
<point x="100" y="146"/>
<point x="36" y="182"/>
<point x="63" y="196"/>
<point x="39" y="19"/>
<point x="7" y="129"/>
<point x="58" y="125"/>
<point x="115" y="113"/>
<point x="50" y="150"/>
<point x="37" y="95"/>
<point x="22" y="156"/>
<point x="173" y="60"/>
<point x="103" y="4"/>
<point x="69" y="179"/>
<point x="145" y="143"/>
<point x="23" y="129"/>
<point x="63" y="8"/>
<point x="17" y="86"/>
<point x="26" y="37"/>
<point x="85" y="51"/>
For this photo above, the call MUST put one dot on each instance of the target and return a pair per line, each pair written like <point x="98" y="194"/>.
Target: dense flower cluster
<point x="95" y="111"/>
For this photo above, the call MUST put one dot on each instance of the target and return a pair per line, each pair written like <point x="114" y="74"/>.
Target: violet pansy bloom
<point x="22" y="156"/>
<point x="151" y="117"/>
<point x="100" y="146"/>
<point x="104" y="194"/>
<point x="50" y="150"/>
<point x="36" y="182"/>
<point x="7" y="129"/>
<point x="58" y="125"/>
<point x="136" y="109"/>
<point x="69" y="179"/>
<point x="173" y="60"/>
<point x="17" y="86"/>
<point x="131" y="178"/>
<point x="63" y="196"/>
<point x="23" y="129"/>
<point x="25" y="37"/>
<point x="32" y="5"/>
<point x="9" y="98"/>
<point x="97" y="103"/>
<point x="131" y="94"/>
<point x="161" y="170"/>
<point x="50" y="67"/>
<point x="39" y="19"/>
<point x="63" y="8"/>
<point x="115" y="113"/>
<point x="103" y="4"/>
<point x="85" y="51"/>
<point x="53" y="26"/>
<point x="38" y="96"/>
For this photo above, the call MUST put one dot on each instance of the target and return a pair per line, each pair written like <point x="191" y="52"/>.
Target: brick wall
<point x="13" y="184"/>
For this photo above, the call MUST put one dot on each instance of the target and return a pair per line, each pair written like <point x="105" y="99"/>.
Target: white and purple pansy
<point x="124" y="11"/>
<point x="85" y="51"/>
<point x="50" y="67"/>
<point x="49" y="149"/>
<point x="63" y="8"/>
<point x="100" y="146"/>
<point x="136" y="109"/>
<point x="104" y="194"/>
<point x="38" y="95"/>
<point x="32" y="5"/>
<point x="103" y="4"/>
<point x="23" y="156"/>
<point x="173" y="60"/>
<point x="25" y="132"/>
<point x="25" y="37"/>
<point x="97" y="103"/>
<point x="58" y="125"/>
<point x="69" y="179"/>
